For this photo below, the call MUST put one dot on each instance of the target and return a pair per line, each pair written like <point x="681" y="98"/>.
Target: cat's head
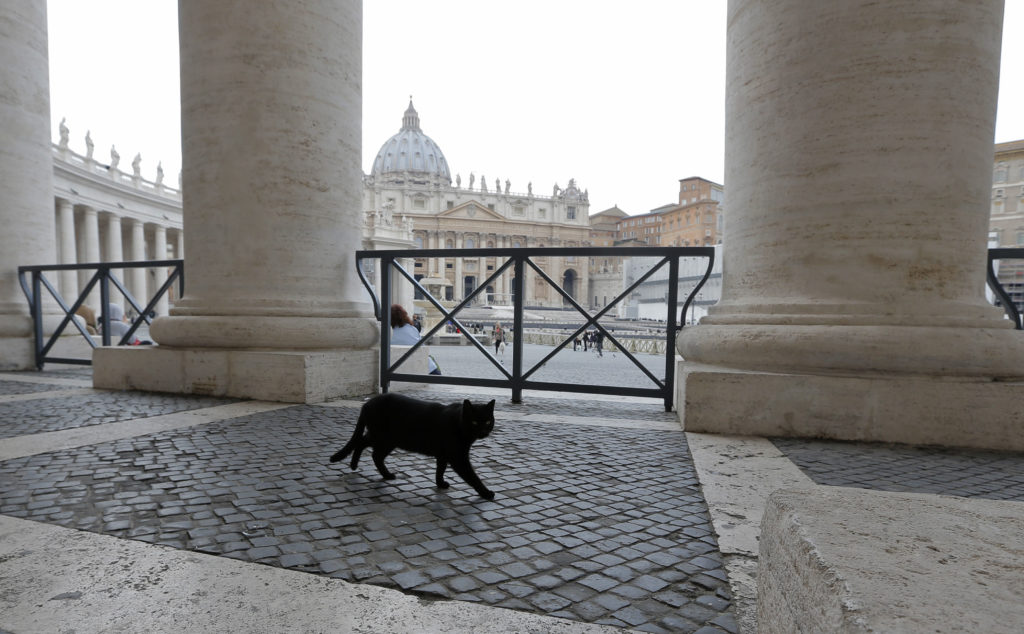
<point x="478" y="419"/>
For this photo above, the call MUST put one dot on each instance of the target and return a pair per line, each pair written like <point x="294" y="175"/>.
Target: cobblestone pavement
<point x="959" y="472"/>
<point x="593" y="523"/>
<point x="9" y="388"/>
<point x="58" y="413"/>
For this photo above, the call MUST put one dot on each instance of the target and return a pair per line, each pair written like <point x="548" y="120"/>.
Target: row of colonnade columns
<point x="88" y="235"/>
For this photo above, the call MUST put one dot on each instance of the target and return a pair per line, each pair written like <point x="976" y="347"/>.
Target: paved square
<point x="599" y="524"/>
<point x="960" y="472"/>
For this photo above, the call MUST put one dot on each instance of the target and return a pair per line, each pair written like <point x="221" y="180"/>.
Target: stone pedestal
<point x="849" y="560"/>
<point x="859" y="143"/>
<point x="269" y="375"/>
<point x="26" y="171"/>
<point x="271" y="131"/>
<point x="903" y="409"/>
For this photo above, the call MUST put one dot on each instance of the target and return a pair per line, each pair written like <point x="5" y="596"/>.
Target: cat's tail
<point x="351" y="444"/>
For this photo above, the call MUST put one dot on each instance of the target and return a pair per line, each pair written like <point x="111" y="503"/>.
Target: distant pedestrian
<point x="586" y="340"/>
<point x="417" y="324"/>
<point x="599" y="342"/>
<point x="576" y="343"/>
<point x="499" y="337"/>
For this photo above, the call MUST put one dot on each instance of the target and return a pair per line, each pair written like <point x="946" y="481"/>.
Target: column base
<point x="303" y="376"/>
<point x="848" y="560"/>
<point x="17" y="353"/>
<point x="919" y="410"/>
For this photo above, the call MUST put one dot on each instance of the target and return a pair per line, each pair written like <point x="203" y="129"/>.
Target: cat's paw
<point x="487" y="495"/>
<point x="443" y="485"/>
<point x="389" y="476"/>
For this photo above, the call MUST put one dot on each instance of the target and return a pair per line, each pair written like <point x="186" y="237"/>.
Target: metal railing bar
<point x="133" y="264"/>
<point x="696" y="289"/>
<point x="597" y="324"/>
<point x="1009" y="306"/>
<point x="68" y="316"/>
<point x="450" y="317"/>
<point x="594" y="320"/>
<point x="529" y="252"/>
<point x="368" y="286"/>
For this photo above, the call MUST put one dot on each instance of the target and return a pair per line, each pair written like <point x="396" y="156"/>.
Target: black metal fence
<point x="34" y="279"/>
<point x="518" y="261"/>
<point x="1011" y="305"/>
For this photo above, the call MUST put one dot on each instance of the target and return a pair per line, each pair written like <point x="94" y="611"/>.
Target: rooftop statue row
<point x="115" y="159"/>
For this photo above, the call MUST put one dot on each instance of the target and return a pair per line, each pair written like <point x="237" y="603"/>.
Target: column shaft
<point x="91" y="238"/>
<point x="137" y="277"/>
<point x="68" y="252"/>
<point x="26" y="171"/>
<point x="271" y="131"/>
<point x="859" y="141"/>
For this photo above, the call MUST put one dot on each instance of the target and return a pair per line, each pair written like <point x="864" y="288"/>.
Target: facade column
<point x="160" y="273"/>
<point x="91" y="254"/>
<point x="457" y="291"/>
<point x="858" y="160"/>
<point x="26" y="171"/>
<point x="137" y="277"/>
<point x="115" y="250"/>
<point x="271" y="130"/>
<point x="68" y="252"/>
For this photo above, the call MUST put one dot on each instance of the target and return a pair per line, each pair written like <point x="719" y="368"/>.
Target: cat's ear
<point x="466" y="404"/>
<point x="490" y="405"/>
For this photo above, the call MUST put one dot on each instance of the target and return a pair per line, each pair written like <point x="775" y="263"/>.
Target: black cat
<point x="393" y="421"/>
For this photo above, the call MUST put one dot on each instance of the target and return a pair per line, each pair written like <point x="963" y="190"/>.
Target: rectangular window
<point x="491" y="206"/>
<point x="419" y="203"/>
<point x="451" y="204"/>
<point x="570" y="212"/>
<point x="518" y="210"/>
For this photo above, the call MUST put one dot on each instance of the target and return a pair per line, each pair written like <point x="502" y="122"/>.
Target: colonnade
<point x="85" y="234"/>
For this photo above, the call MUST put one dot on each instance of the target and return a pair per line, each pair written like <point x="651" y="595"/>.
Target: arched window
<point x="448" y="244"/>
<point x="516" y="245"/>
<point x="419" y="242"/>
<point x="470" y="243"/>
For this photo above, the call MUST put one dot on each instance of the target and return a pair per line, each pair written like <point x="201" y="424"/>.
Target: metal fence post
<point x="518" y="300"/>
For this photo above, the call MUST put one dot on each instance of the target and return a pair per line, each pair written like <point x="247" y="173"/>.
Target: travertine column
<point x="137" y="277"/>
<point x="26" y="171"/>
<point x="160" y="273"/>
<point x="91" y="253"/>
<point x="858" y="161"/>
<point x="271" y="132"/>
<point x="68" y="252"/>
<point x="115" y="251"/>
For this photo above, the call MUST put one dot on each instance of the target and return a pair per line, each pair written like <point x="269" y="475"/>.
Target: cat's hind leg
<point x="466" y="472"/>
<point x="379" y="454"/>
<point x="442" y="464"/>
<point x="358" y="447"/>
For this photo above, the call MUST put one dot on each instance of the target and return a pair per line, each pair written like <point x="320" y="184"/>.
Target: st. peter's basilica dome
<point x="411" y="152"/>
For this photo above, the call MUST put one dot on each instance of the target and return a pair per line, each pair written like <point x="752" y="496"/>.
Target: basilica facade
<point x="411" y="182"/>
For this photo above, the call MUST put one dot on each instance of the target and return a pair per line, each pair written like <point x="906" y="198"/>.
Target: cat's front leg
<point x="442" y="464"/>
<point x="379" y="454"/>
<point x="466" y="472"/>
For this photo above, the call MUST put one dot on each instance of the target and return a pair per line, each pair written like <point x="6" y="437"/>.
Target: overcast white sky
<point x="625" y="100"/>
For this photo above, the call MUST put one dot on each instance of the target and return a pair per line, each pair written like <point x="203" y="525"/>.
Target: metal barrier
<point x="518" y="260"/>
<point x="103" y="277"/>
<point x="1003" y="298"/>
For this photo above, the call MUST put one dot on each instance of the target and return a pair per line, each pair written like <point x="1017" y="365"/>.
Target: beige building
<point x="411" y="179"/>
<point x="696" y="220"/>
<point x="1007" y="219"/>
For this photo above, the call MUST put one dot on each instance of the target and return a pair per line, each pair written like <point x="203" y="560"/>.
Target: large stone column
<point x="115" y="251"/>
<point x="68" y="252"/>
<point x="26" y="171"/>
<point x="859" y="143"/>
<point x="271" y="132"/>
